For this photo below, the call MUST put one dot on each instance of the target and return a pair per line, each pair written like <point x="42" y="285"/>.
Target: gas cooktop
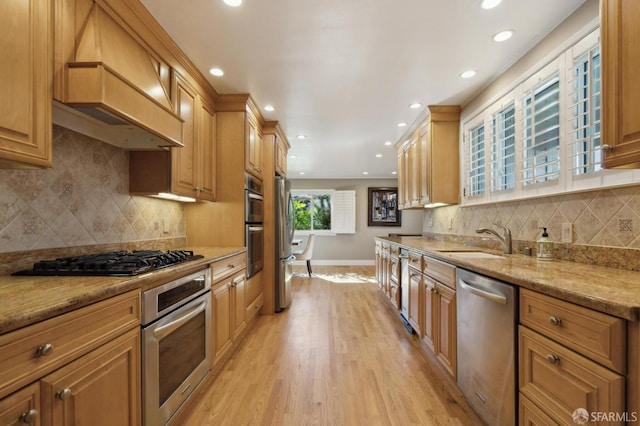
<point x="117" y="263"/>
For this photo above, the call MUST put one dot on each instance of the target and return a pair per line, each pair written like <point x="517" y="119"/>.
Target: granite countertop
<point x="25" y="300"/>
<point x="609" y="290"/>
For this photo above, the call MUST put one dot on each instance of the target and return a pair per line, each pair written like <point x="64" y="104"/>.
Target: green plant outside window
<point x="313" y="212"/>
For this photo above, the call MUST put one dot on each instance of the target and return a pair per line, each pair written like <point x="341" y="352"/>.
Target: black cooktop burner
<point x="117" y="263"/>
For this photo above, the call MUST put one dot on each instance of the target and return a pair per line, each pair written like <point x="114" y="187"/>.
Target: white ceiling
<point x="343" y="72"/>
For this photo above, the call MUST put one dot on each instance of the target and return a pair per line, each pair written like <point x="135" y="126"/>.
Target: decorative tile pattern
<point x="82" y="200"/>
<point x="608" y="217"/>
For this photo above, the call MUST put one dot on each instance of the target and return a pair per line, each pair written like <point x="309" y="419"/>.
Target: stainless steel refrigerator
<point x="285" y="225"/>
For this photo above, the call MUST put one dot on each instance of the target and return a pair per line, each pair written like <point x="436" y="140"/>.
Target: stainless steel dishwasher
<point x="486" y="323"/>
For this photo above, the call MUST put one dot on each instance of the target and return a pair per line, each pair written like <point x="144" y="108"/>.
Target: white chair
<point x="306" y="253"/>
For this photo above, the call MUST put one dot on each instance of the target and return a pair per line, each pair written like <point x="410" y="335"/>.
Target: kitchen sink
<point x="472" y="254"/>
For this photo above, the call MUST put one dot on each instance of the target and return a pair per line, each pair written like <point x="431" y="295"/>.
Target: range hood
<point x="114" y="81"/>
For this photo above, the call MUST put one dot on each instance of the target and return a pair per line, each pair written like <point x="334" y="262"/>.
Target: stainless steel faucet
<point x="505" y="239"/>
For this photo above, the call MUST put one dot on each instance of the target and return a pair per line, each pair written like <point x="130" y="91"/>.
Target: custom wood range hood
<point x="103" y="70"/>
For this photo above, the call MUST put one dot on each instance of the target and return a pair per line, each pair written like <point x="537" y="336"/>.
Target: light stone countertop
<point x="25" y="300"/>
<point x="609" y="290"/>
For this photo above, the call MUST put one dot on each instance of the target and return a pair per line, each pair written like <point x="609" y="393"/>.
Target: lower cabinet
<point x="571" y="358"/>
<point x="439" y="330"/>
<point x="229" y="310"/>
<point x="100" y="389"/>
<point x="80" y="368"/>
<point x="415" y="282"/>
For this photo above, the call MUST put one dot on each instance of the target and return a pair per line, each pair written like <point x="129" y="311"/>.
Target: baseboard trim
<point x="359" y="262"/>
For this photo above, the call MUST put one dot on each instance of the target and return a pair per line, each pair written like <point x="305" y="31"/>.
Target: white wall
<point x="356" y="248"/>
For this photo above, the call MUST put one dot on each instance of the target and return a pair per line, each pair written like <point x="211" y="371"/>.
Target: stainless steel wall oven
<point x="253" y="200"/>
<point x="254" y="235"/>
<point x="176" y="344"/>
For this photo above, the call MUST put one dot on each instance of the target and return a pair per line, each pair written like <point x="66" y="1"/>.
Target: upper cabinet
<point x="428" y="161"/>
<point x="253" y="160"/>
<point x="275" y="149"/>
<point x="620" y="84"/>
<point x="188" y="171"/>
<point x="25" y="83"/>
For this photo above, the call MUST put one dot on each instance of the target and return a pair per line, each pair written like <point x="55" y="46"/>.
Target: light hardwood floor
<point x="337" y="356"/>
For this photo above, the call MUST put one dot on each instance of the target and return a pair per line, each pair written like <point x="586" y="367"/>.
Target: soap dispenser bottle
<point x="544" y="246"/>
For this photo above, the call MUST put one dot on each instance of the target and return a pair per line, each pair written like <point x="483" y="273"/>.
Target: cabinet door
<point x="184" y="180"/>
<point x="531" y="415"/>
<point x="253" y="147"/>
<point x="21" y="407"/>
<point x="25" y="83"/>
<point x="620" y="84"/>
<point x="415" y="282"/>
<point x="101" y="388"/>
<point x="430" y="329"/>
<point x="221" y="319"/>
<point x="415" y="173"/>
<point x="446" y="346"/>
<point x="402" y="196"/>
<point x="281" y="157"/>
<point x="559" y="380"/>
<point x="239" y="303"/>
<point x="423" y="193"/>
<point x="206" y="158"/>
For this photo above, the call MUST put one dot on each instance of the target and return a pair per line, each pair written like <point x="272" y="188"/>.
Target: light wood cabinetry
<point x="620" y="85"/>
<point x="228" y="312"/>
<point x="188" y="171"/>
<point x="253" y="146"/>
<point x="70" y="363"/>
<point x="101" y="388"/>
<point x="22" y="407"/>
<point x="25" y="83"/>
<point x="570" y="357"/>
<point x="415" y="296"/>
<point x="428" y="160"/>
<point x="282" y="150"/>
<point x="438" y="301"/>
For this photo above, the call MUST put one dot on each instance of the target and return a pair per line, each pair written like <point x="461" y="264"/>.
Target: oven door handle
<point x="255" y="196"/>
<point x="167" y="329"/>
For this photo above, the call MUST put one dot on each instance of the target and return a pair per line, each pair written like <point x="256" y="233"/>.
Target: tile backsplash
<point x="82" y="200"/>
<point x="608" y="217"/>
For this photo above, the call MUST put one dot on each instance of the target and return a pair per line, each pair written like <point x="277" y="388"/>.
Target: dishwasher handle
<point x="498" y="298"/>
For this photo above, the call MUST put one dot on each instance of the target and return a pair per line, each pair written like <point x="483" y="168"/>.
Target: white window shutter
<point x="343" y="216"/>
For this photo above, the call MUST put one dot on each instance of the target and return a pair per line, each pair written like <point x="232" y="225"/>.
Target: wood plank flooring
<point x="337" y="356"/>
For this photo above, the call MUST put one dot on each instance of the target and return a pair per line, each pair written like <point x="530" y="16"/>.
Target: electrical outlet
<point x="430" y="222"/>
<point x="567" y="232"/>
<point x="450" y="224"/>
<point x="165" y="225"/>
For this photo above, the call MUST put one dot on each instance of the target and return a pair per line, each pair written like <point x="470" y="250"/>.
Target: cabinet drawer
<point x="440" y="271"/>
<point x="593" y="334"/>
<point x="560" y="381"/>
<point x="70" y="336"/>
<point x="531" y="415"/>
<point x="254" y="307"/>
<point x="225" y="267"/>
<point x="415" y="261"/>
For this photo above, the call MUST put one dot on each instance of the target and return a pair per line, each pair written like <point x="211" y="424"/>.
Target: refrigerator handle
<point x="292" y="217"/>
<point x="290" y="259"/>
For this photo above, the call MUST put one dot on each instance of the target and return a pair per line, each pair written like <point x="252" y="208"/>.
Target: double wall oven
<point x="254" y="227"/>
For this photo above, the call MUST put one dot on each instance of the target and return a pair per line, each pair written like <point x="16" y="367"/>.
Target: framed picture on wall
<point x="383" y="207"/>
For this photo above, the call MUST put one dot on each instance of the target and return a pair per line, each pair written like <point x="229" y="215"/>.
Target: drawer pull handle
<point x="553" y="359"/>
<point x="231" y="265"/>
<point x="63" y="394"/>
<point x="29" y="416"/>
<point x="555" y="321"/>
<point x="44" y="349"/>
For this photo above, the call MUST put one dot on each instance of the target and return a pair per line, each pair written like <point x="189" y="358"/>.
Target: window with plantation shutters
<point x="475" y="153"/>
<point x="585" y="113"/>
<point x="503" y="149"/>
<point x="541" y="124"/>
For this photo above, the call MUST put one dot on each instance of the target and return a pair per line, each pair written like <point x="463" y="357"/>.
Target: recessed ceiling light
<point x="415" y="105"/>
<point x="394" y="173"/>
<point x="489" y="4"/>
<point x="378" y="155"/>
<point x="301" y="137"/>
<point x="403" y="124"/>
<point x="217" y="72"/>
<point x="269" y="108"/>
<point x="503" y="36"/>
<point x="468" y="74"/>
<point x="387" y="143"/>
<point x="293" y="156"/>
<point x="301" y="173"/>
<point x="365" y="173"/>
<point x="233" y="3"/>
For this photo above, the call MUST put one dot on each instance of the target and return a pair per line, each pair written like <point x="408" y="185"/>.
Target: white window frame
<point x="465" y="159"/>
<point x="343" y="211"/>
<point x="560" y="61"/>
